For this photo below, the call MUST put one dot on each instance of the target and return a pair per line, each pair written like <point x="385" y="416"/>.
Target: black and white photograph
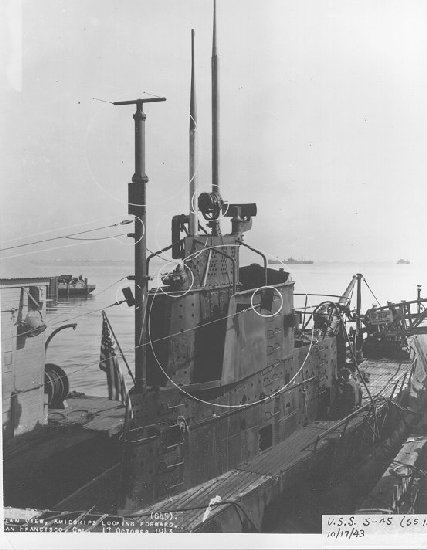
<point x="213" y="273"/>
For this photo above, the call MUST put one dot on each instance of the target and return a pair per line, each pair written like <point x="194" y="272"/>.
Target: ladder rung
<point x="170" y="466"/>
<point x="173" y="446"/>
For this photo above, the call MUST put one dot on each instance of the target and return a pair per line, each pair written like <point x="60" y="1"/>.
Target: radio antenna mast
<point x="137" y="207"/>
<point x="215" y="118"/>
<point x="193" y="148"/>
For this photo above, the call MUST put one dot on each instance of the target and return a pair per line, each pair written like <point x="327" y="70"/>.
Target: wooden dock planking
<point x="384" y="375"/>
<point x="69" y="426"/>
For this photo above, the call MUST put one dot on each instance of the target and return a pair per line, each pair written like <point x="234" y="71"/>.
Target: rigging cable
<point x="50" y="239"/>
<point x="371" y="291"/>
<point x="49" y="249"/>
<point x="55" y="229"/>
<point x="96" y="238"/>
<point x="361" y="375"/>
<point x="119" y="347"/>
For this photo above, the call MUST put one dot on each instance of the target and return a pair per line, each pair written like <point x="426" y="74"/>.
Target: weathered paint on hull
<point x="158" y="466"/>
<point x="261" y="482"/>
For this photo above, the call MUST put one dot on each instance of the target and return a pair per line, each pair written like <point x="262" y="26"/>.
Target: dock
<point x="78" y="443"/>
<point x="402" y="489"/>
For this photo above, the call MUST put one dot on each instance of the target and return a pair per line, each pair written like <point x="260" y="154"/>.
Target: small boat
<point x="402" y="261"/>
<point x="74" y="286"/>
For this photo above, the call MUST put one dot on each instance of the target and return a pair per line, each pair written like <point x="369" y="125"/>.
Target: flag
<point x="109" y="363"/>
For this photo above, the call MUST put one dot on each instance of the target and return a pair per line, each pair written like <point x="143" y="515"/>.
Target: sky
<point x="323" y="122"/>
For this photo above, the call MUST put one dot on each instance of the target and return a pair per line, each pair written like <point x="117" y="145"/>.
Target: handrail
<point x="325" y="295"/>
<point x="334" y="427"/>
<point x="158" y="252"/>
<point x="260" y="254"/>
<point x="403" y="302"/>
<point x="70" y="325"/>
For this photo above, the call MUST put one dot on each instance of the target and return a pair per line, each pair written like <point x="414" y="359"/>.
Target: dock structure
<point x="52" y="290"/>
<point x="397" y="490"/>
<point x="402" y="488"/>
<point x="80" y="442"/>
<point x="47" y="452"/>
<point x="23" y="314"/>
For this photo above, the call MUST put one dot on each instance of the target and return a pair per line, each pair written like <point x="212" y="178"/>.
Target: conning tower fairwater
<point x="219" y="343"/>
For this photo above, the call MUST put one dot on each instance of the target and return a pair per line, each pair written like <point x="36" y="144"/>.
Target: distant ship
<point x="290" y="260"/>
<point x="402" y="261"/>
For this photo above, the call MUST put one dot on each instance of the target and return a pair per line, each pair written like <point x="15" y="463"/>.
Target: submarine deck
<point x="252" y="485"/>
<point x="242" y="494"/>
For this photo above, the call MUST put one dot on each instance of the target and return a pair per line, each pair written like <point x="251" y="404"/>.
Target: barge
<point x="69" y="286"/>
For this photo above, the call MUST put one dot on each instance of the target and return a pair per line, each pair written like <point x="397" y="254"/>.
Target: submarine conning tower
<point x="194" y="305"/>
<point x="198" y="292"/>
<point x="217" y="338"/>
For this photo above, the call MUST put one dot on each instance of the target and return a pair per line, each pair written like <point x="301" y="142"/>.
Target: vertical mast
<point x="215" y="110"/>
<point x="140" y="179"/>
<point x="193" y="145"/>
<point x="359" y="335"/>
<point x="137" y="207"/>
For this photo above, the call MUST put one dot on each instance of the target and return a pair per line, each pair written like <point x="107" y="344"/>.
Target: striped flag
<point x="109" y="363"/>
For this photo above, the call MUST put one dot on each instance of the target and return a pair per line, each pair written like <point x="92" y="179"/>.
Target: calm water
<point x="78" y="351"/>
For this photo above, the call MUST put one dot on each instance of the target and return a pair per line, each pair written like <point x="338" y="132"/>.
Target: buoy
<point x="56" y="386"/>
